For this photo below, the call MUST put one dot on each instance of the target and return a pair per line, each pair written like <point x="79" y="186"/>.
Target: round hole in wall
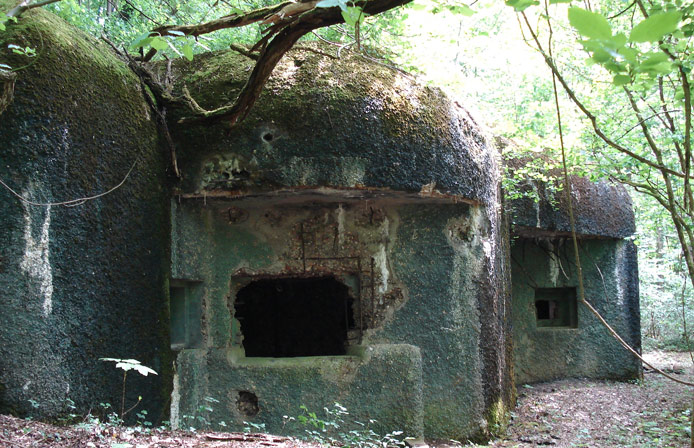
<point x="247" y="403"/>
<point x="268" y="137"/>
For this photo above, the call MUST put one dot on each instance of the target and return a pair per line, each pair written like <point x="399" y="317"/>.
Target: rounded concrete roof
<point x="321" y="123"/>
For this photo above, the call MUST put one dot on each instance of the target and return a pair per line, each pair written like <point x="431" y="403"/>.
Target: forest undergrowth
<point x="566" y="413"/>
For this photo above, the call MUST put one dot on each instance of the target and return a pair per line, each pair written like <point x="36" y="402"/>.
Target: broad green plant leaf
<point x="353" y="15"/>
<point x="4" y="19"/>
<point x="188" y="51"/>
<point x="590" y="24"/>
<point x="158" y="43"/>
<point x="142" y="41"/>
<point x="521" y="5"/>
<point x="620" y="80"/>
<point x="655" y="27"/>
<point x="130" y="364"/>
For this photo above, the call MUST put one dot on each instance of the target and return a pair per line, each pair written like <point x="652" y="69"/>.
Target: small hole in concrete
<point x="268" y="137"/>
<point x="247" y="403"/>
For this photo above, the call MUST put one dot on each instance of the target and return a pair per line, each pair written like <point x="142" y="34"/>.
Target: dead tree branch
<point x="230" y="21"/>
<point x="288" y="26"/>
<point x="27" y="5"/>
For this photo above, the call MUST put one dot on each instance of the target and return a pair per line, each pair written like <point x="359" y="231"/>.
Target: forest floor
<point x="588" y="413"/>
<point x="567" y="413"/>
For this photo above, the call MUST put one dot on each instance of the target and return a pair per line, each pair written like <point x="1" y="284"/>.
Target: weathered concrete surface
<point x="601" y="209"/>
<point x="380" y="381"/>
<point x="421" y="274"/>
<point x="350" y="170"/>
<point x="611" y="284"/>
<point x="87" y="281"/>
<point x="326" y="123"/>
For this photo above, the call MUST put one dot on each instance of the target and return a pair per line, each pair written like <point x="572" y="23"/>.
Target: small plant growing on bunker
<point x="201" y="417"/>
<point x="127" y="365"/>
<point x="334" y="430"/>
<point x="249" y="427"/>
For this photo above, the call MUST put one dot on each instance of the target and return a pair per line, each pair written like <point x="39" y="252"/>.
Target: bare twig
<point x="593" y="119"/>
<point x="25" y="6"/>
<point x="230" y="21"/>
<point x="244" y="51"/>
<point x="284" y="35"/>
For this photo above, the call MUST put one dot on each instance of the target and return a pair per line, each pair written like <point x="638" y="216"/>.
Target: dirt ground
<point x="567" y="413"/>
<point x="583" y="413"/>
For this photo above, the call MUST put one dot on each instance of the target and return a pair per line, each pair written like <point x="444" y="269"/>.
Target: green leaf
<point x="130" y="364"/>
<point x="655" y="58"/>
<point x="158" y="43"/>
<point x="353" y="15"/>
<point x="188" y="51"/>
<point x="601" y="56"/>
<point x="629" y="54"/>
<point x="521" y="5"/>
<point x="144" y="370"/>
<point x="590" y="24"/>
<point x="615" y="67"/>
<point x="620" y="80"/>
<point x="655" y="27"/>
<point x="554" y="2"/>
<point x="617" y="41"/>
<point x="461" y="9"/>
<point x="142" y="41"/>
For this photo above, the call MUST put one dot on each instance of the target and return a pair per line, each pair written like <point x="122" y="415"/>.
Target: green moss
<point x="497" y="418"/>
<point x="77" y="125"/>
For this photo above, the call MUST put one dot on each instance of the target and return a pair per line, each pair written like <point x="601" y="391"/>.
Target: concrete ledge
<point x="383" y="383"/>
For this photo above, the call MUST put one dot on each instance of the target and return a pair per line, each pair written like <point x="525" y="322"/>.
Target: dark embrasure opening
<point x="290" y="317"/>
<point x="556" y="307"/>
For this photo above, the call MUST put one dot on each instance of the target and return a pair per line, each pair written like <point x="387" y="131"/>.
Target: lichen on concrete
<point x="416" y="287"/>
<point x="588" y="349"/>
<point x="87" y="281"/>
<point x="325" y="123"/>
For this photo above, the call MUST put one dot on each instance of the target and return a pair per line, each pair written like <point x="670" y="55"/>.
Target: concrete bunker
<point x="360" y="264"/>
<point x="347" y="181"/>
<point x="555" y="336"/>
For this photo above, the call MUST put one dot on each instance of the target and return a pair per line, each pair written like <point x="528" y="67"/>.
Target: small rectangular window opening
<point x="556" y="308"/>
<point x="184" y="312"/>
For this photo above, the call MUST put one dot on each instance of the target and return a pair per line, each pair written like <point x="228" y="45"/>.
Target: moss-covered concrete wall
<point x="555" y="336"/>
<point x="85" y="281"/>
<point x="347" y="169"/>
<point x="583" y="348"/>
<point x="420" y="273"/>
<point x="326" y="123"/>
